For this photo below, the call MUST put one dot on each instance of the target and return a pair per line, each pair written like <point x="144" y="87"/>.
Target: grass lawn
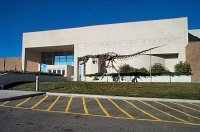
<point x="154" y="90"/>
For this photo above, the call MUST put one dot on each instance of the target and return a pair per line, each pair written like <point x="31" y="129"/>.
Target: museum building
<point x="57" y="51"/>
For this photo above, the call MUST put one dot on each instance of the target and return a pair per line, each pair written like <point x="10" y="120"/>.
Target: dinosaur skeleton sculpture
<point x="110" y="57"/>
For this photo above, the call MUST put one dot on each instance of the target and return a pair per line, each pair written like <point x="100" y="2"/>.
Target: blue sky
<point x="18" y="16"/>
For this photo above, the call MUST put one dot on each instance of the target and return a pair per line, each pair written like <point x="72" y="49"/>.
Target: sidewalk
<point x="6" y="95"/>
<point x="122" y="97"/>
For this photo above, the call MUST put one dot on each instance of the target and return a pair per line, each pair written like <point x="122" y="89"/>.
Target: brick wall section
<point x="33" y="59"/>
<point x="14" y="64"/>
<point x="193" y="57"/>
<point x="2" y="64"/>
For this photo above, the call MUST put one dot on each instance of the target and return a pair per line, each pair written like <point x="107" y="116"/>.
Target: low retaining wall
<point x="9" y="78"/>
<point x="181" y="78"/>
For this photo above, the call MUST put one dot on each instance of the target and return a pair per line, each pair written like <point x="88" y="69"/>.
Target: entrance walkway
<point x="12" y="94"/>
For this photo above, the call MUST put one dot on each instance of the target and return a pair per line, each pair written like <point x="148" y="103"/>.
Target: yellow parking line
<point x="102" y="108"/>
<point x="21" y="103"/>
<point x="122" y="110"/>
<point x="177" y="110"/>
<point x="85" y="106"/>
<point x="51" y="106"/>
<point x="195" y="104"/>
<point x="152" y="116"/>
<point x="68" y="105"/>
<point x="4" y="103"/>
<point x="164" y="112"/>
<point x="125" y="118"/>
<point x="185" y="106"/>
<point x="38" y="103"/>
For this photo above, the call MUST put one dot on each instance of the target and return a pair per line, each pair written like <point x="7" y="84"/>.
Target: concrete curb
<point x="22" y="96"/>
<point x="122" y="97"/>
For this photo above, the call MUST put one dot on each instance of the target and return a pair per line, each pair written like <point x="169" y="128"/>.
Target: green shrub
<point x="158" y="68"/>
<point x="143" y="70"/>
<point x="182" y="68"/>
<point x="127" y="69"/>
<point x="95" y="78"/>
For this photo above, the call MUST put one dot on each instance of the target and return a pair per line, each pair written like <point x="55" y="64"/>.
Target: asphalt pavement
<point x="56" y="113"/>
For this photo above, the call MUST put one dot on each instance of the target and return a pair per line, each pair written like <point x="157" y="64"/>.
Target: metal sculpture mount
<point x="110" y="57"/>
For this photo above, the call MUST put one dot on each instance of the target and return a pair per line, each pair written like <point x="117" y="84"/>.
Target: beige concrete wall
<point x="57" y="67"/>
<point x="193" y="57"/>
<point x="140" y="31"/>
<point x="195" y="32"/>
<point x="11" y="64"/>
<point x="69" y="70"/>
<point x="136" y="62"/>
<point x="91" y="68"/>
<point x="121" y="38"/>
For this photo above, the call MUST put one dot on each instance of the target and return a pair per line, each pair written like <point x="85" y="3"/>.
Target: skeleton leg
<point x="108" y="64"/>
<point x="103" y="75"/>
<point x="116" y="71"/>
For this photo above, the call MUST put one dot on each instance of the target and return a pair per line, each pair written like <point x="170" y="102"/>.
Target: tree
<point x="183" y="68"/>
<point x="126" y="69"/>
<point x="158" y="68"/>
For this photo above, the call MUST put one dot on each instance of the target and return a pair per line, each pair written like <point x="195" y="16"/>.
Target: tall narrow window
<point x="58" y="71"/>
<point x="63" y="72"/>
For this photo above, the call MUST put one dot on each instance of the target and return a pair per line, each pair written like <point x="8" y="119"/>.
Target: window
<point x="54" y="71"/>
<point x="58" y="71"/>
<point x="57" y="60"/>
<point x="43" y="68"/>
<point x="63" y="72"/>
<point x="47" y="58"/>
<point x="64" y="60"/>
<point x="49" y="71"/>
<point x="70" y="60"/>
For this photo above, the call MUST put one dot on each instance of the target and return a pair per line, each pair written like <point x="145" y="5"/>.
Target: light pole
<point x="150" y="68"/>
<point x="37" y="83"/>
<point x="84" y="72"/>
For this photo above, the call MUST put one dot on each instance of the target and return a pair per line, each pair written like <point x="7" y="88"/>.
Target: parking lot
<point x="138" y="110"/>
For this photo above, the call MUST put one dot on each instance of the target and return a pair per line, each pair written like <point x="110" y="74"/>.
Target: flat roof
<point x="102" y="25"/>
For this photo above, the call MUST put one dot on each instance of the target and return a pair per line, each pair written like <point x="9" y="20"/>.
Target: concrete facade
<point x="121" y="38"/>
<point x="195" y="32"/>
<point x="65" y="70"/>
